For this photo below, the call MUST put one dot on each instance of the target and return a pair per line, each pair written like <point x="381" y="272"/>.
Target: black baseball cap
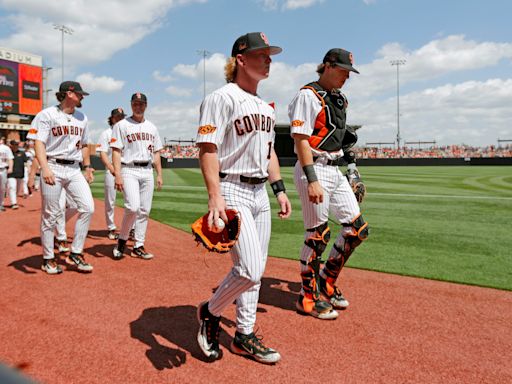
<point x="139" y="97"/>
<point x="13" y="142"/>
<point x="341" y="58"/>
<point x="252" y="41"/>
<point x="73" y="86"/>
<point x="117" y="112"/>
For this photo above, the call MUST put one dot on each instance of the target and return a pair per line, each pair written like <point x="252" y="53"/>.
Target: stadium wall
<point x="290" y="161"/>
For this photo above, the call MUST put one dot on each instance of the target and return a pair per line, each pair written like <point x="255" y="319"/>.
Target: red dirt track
<point x="133" y="321"/>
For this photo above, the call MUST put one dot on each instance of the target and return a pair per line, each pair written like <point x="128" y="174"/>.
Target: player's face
<point x="257" y="64"/>
<point x="76" y="98"/>
<point x="339" y="76"/>
<point x="138" y="108"/>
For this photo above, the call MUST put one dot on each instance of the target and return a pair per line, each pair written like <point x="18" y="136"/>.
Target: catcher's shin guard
<point x="353" y="235"/>
<point x="317" y="241"/>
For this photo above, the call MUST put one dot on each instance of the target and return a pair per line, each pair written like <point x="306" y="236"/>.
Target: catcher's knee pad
<point x="318" y="239"/>
<point x="359" y="232"/>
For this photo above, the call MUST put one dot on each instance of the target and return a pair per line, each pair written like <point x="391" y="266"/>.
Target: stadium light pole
<point x="398" y="63"/>
<point x="204" y="53"/>
<point x="45" y="85"/>
<point x="63" y="29"/>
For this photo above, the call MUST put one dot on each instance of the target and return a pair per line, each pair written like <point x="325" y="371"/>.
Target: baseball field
<point x="441" y="223"/>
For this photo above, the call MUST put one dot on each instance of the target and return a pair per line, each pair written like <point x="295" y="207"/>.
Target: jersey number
<point x="78" y="146"/>
<point x="150" y="148"/>
<point x="269" y="149"/>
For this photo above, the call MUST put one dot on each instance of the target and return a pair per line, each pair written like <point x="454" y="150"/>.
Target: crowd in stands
<point x="448" y="151"/>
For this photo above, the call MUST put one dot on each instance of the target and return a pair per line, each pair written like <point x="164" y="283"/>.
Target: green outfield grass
<point x="443" y="223"/>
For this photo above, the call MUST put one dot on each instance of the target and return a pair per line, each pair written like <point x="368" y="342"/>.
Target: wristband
<point x="87" y="166"/>
<point x="278" y="186"/>
<point x="309" y="171"/>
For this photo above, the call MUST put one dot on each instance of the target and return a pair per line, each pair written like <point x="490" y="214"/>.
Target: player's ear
<point x="240" y="59"/>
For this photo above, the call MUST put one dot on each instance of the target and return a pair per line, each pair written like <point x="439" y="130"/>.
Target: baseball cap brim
<point x="347" y="67"/>
<point x="273" y="50"/>
<point x="83" y="93"/>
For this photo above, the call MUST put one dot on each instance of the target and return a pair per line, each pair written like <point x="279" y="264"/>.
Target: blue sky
<point x="456" y="85"/>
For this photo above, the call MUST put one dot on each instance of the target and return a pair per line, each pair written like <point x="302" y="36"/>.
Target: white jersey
<point x="303" y="111"/>
<point x="63" y="134"/>
<point x="5" y="155"/>
<point x="104" y="142"/>
<point x="138" y="141"/>
<point x="241" y="125"/>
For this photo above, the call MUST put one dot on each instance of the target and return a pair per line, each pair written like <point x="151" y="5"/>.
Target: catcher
<point x="322" y="143"/>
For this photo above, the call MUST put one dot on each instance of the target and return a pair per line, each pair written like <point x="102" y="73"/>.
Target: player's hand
<point x="159" y="182"/>
<point x="31" y="183"/>
<point x="112" y="170"/>
<point x="48" y="176"/>
<point x="119" y="183"/>
<point x="315" y="192"/>
<point x="284" y="205"/>
<point x="89" y="175"/>
<point x="217" y="209"/>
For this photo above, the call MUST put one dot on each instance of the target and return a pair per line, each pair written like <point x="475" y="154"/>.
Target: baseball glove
<point x="221" y="242"/>
<point x="357" y="184"/>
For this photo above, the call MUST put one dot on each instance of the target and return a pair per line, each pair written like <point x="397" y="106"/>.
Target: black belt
<point x="138" y="163"/>
<point x="248" y="180"/>
<point x="337" y="162"/>
<point x="63" y="161"/>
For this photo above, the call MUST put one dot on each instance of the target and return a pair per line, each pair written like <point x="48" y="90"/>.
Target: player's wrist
<point x="309" y="171"/>
<point x="278" y="187"/>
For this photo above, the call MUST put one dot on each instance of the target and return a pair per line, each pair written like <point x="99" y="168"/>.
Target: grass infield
<point x="442" y="223"/>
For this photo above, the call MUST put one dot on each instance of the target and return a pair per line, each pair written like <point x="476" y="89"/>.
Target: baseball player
<point x="322" y="141"/>
<point x="135" y="146"/>
<point x="235" y="138"/>
<point x="61" y="137"/>
<point x="15" y="178"/>
<point x="106" y="157"/>
<point x="6" y="164"/>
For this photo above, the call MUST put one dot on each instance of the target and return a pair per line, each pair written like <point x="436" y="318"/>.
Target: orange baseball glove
<point x="221" y="242"/>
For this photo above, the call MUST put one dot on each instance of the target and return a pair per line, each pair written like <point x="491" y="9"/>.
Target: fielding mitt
<point x="357" y="184"/>
<point x="222" y="241"/>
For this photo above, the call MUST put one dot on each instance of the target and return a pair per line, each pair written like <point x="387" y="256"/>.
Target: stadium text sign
<point x="20" y="57"/>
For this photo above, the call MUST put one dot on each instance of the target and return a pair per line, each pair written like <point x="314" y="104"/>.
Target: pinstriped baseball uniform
<point x="338" y="199"/>
<point x="5" y="155"/>
<point x="109" y="184"/>
<point x="138" y="142"/>
<point x="63" y="135"/>
<point x="241" y="125"/>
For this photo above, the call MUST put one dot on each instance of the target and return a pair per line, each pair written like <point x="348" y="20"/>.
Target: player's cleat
<point x="79" y="261"/>
<point x="252" y="346"/>
<point x="317" y="308"/>
<point x="112" y="235"/>
<point x="51" y="267"/>
<point x="2" y="208"/>
<point x="333" y="294"/>
<point x="62" y="246"/>
<point x="208" y="334"/>
<point x="14" y="206"/>
<point x="119" y="249"/>
<point x="131" y="236"/>
<point x="141" y="253"/>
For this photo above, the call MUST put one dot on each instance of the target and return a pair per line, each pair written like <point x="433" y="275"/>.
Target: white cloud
<point x="158" y="76"/>
<point x="178" y="91"/>
<point x="102" y="83"/>
<point x="273" y="5"/>
<point x="101" y="28"/>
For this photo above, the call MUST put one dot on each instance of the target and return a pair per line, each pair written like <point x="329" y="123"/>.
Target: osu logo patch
<point x="206" y="129"/>
<point x="297" y="123"/>
<point x="32" y="131"/>
<point x="113" y="140"/>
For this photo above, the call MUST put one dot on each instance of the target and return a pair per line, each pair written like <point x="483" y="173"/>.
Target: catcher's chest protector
<point x="331" y="133"/>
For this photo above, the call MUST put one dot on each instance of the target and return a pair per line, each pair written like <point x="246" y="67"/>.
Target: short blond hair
<point x="230" y="70"/>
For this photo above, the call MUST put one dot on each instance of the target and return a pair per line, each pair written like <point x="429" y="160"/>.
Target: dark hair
<point x="60" y="96"/>
<point x="110" y="121"/>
